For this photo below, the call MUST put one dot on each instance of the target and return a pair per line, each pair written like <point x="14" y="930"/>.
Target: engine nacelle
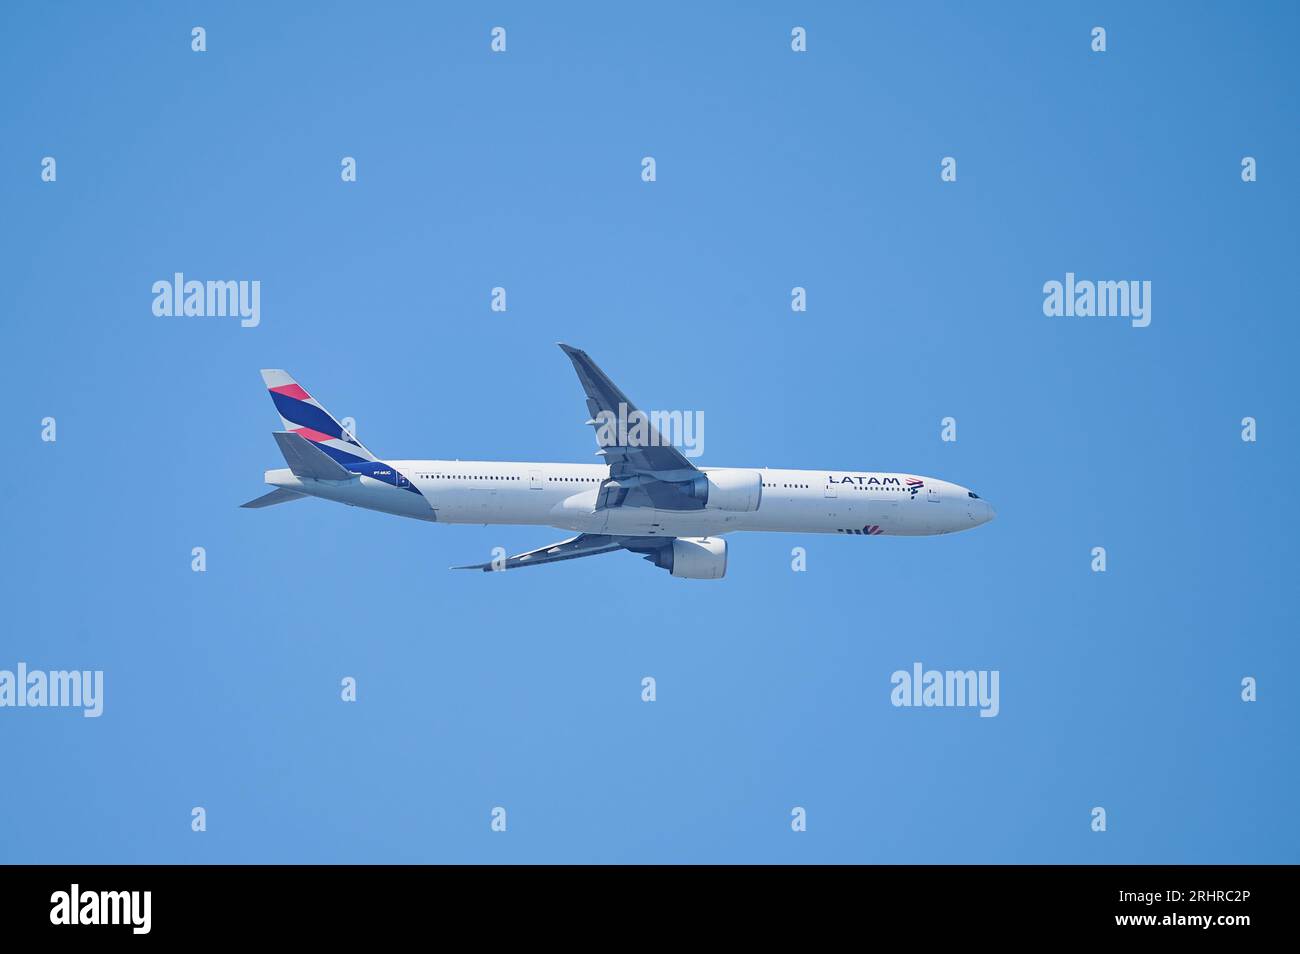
<point x="694" y="558"/>
<point x="736" y="491"/>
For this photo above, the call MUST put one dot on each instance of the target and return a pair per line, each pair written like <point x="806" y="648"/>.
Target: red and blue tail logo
<point x="303" y="415"/>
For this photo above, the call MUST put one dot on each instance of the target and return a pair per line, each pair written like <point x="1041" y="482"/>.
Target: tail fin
<point x="303" y="415"/>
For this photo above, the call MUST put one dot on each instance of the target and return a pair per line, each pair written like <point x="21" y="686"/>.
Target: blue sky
<point x="774" y="169"/>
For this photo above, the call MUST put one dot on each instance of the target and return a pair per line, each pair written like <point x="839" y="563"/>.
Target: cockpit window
<point x="972" y="494"/>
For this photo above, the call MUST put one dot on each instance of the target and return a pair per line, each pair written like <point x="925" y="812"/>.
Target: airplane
<point x="645" y="496"/>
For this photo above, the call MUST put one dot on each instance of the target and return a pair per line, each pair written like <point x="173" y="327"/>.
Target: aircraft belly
<point x="373" y="494"/>
<point x="782" y="517"/>
<point x="644" y="521"/>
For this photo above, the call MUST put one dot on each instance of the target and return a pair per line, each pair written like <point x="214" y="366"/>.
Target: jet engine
<point x="694" y="558"/>
<point x="737" y="491"/>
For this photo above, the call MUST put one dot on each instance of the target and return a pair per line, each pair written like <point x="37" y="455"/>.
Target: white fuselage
<point x="564" y="496"/>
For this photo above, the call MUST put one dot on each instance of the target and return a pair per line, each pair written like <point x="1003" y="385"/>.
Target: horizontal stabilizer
<point x="305" y="459"/>
<point x="277" y="496"/>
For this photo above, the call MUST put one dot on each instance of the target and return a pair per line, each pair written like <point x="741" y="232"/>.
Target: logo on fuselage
<point x="914" y="484"/>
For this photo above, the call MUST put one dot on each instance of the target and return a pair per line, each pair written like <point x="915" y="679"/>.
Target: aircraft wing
<point x="584" y="544"/>
<point x="645" y="470"/>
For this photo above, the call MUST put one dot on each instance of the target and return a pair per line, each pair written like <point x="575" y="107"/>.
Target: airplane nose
<point x="981" y="512"/>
